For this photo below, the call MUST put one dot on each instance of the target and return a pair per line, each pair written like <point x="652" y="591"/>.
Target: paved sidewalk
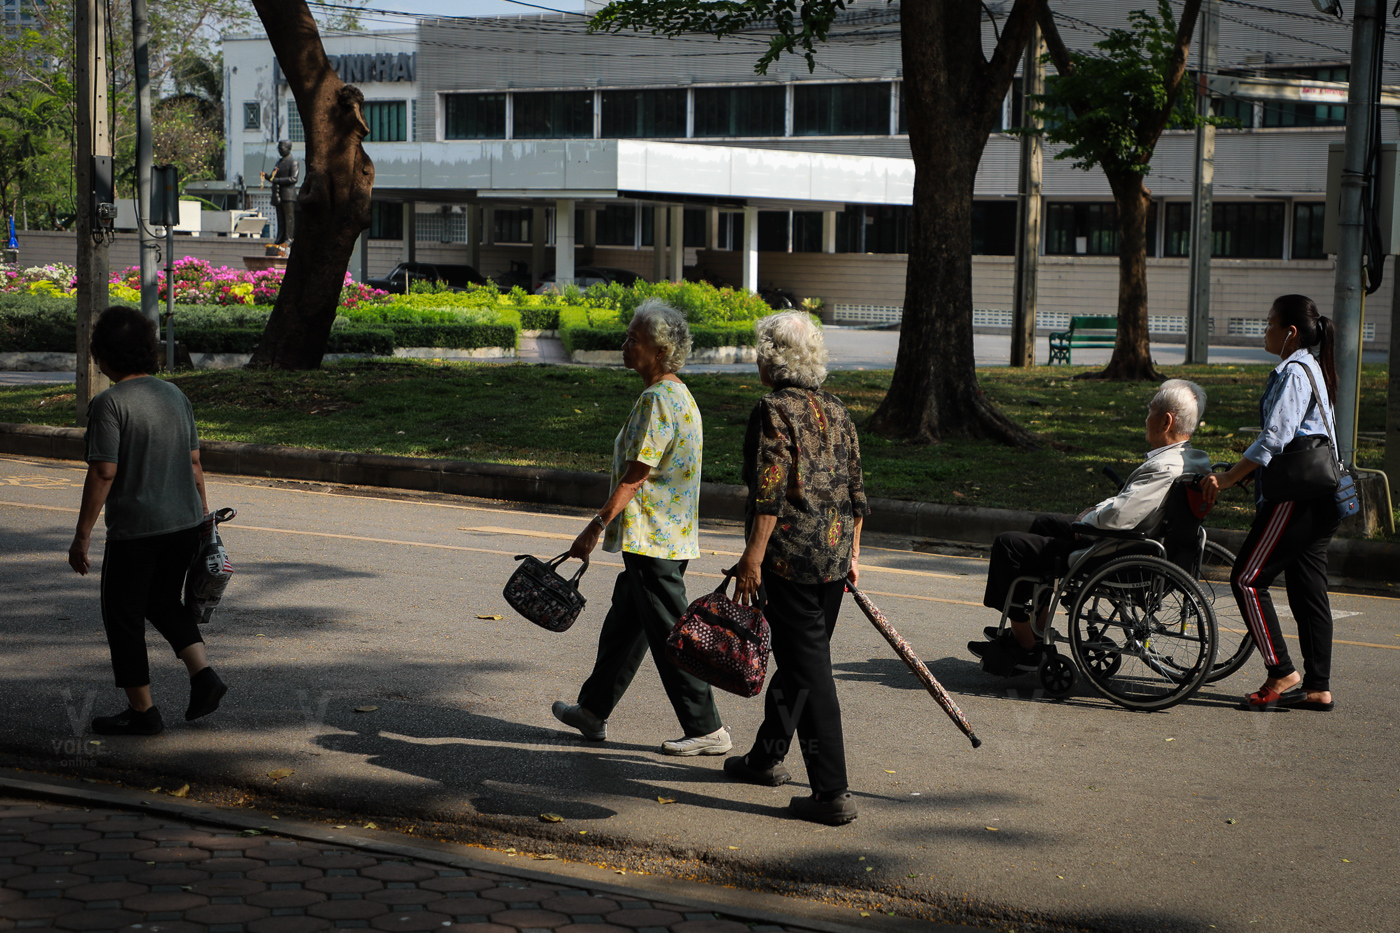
<point x="88" y="868"/>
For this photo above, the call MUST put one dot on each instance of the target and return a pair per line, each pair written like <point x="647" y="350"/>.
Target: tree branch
<point x="1054" y="43"/>
<point x="1175" y="72"/>
<point x="1014" y="35"/>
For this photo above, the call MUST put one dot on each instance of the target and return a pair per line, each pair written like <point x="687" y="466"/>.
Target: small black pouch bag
<point x="541" y="594"/>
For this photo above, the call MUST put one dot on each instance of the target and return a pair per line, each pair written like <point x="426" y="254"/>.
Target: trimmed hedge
<point x="599" y="329"/>
<point x="538" y="318"/>
<point x="375" y="341"/>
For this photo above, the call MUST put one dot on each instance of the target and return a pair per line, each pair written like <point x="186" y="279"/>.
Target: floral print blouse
<point x="664" y="432"/>
<point x="802" y="464"/>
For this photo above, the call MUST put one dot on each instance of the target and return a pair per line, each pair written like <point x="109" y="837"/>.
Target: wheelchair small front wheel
<point x="1057" y="675"/>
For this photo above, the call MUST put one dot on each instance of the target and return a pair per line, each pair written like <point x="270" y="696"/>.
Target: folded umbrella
<point x="901" y="648"/>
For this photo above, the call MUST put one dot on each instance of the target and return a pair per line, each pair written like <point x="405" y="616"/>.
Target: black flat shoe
<point x="837" y="811"/>
<point x="739" y="769"/>
<point x="206" y="690"/>
<point x="130" y="722"/>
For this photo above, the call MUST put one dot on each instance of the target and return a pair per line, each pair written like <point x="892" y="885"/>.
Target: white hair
<point x="668" y="330"/>
<point x="791" y="347"/>
<point x="1183" y="399"/>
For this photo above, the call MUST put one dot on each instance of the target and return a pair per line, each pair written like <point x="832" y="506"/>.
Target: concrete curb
<point x="756" y="906"/>
<point x="1348" y="558"/>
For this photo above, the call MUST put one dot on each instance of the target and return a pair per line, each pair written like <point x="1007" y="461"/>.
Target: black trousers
<point x="144" y="578"/>
<point x="648" y="599"/>
<point x="1019" y="554"/>
<point x="1292" y="537"/>
<point x="286" y="221"/>
<point x="801" y="694"/>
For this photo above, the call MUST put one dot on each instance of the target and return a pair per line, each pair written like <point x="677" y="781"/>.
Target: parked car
<point x="405" y="273"/>
<point x="584" y="276"/>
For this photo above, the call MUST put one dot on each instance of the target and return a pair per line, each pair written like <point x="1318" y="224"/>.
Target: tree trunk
<point x="1132" y="349"/>
<point x="334" y="198"/>
<point x="951" y="100"/>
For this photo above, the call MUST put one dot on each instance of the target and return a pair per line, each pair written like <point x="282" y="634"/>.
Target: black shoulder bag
<point x="1310" y="467"/>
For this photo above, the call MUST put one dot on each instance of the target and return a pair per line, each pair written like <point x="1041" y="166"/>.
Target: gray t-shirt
<point x="146" y="426"/>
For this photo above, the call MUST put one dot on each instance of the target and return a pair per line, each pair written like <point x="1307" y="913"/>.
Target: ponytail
<point x="1314" y="330"/>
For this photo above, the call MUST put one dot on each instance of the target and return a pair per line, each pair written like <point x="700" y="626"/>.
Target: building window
<point x="643" y="114"/>
<point x="1307" y="231"/>
<point x="773" y="231"/>
<point x="474" y="116"/>
<point x="1240" y="112"/>
<point x="385" y="220"/>
<point x="616" y="225"/>
<point x="740" y="111"/>
<point x="693" y="227"/>
<point x="512" y="225"/>
<point x="841" y="110"/>
<point x="388" y="121"/>
<point x="553" y="115"/>
<point x="1081" y="229"/>
<point x="1178" y="232"/>
<point x="806" y="231"/>
<point x="869" y="229"/>
<point x="994" y="228"/>
<point x="252" y="115"/>
<point x="296" y="133"/>
<point x="1297" y="113"/>
<point x="1247" y="230"/>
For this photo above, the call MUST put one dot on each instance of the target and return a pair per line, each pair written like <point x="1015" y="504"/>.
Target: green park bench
<point x="1090" y="330"/>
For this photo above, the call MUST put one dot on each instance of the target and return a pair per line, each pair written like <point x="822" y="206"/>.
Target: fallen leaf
<point x="155" y="790"/>
<point x="958" y="494"/>
<point x="865" y="913"/>
<point x="1171" y="740"/>
<point x="551" y="818"/>
<point x="365" y="709"/>
<point x="277" y="817"/>
<point x="280" y="773"/>
<point x="1061" y="877"/>
<point x="1230" y="822"/>
<point x="665" y="799"/>
<point x="888" y="771"/>
<point x="182" y="792"/>
<point x="1347" y="860"/>
<point x="544" y="855"/>
<point x="733" y="847"/>
<point x="251" y="832"/>
<point x="993" y="829"/>
<point x="186" y="887"/>
<point x="621" y="872"/>
<point x="260" y="635"/>
<point x="371" y="826"/>
<point x="578" y="411"/>
<point x="494" y="618"/>
<point x="869" y="869"/>
<point x="583" y="832"/>
<point x="861" y="859"/>
<point x="512" y="849"/>
<point x="94" y="742"/>
<point x="340" y="826"/>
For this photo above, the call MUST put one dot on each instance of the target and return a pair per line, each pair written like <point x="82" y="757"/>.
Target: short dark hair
<point x="125" y="341"/>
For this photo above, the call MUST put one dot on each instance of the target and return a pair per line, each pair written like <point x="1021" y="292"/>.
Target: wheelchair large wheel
<point x="1233" y="643"/>
<point x="1142" y="633"/>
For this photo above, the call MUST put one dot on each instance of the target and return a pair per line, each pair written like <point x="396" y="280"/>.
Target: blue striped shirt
<point x="1286" y="410"/>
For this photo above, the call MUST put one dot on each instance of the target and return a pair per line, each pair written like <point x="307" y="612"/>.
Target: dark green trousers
<point x="648" y="599"/>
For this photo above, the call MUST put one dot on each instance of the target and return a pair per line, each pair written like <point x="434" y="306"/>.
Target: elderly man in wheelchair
<point x="1126" y="569"/>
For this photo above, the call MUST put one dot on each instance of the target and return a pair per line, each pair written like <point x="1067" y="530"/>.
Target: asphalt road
<point x="1203" y="817"/>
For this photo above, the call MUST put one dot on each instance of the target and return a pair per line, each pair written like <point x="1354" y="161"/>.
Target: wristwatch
<point x="598" y="520"/>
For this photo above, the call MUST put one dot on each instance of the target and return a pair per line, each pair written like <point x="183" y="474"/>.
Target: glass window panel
<point x="841" y="110"/>
<point x="1307" y="231"/>
<point x="474" y="116"/>
<point x="740" y="111"/>
<point x="773" y="231"/>
<point x="512" y="225"/>
<point x="1297" y="113"/>
<point x="1178" y="233"/>
<point x="649" y="114"/>
<point x="388" y="121"/>
<point x="807" y="231"/>
<point x="1248" y="230"/>
<point x="617" y="225"/>
<point x="994" y="228"/>
<point x="296" y="133"/>
<point x="252" y="116"/>
<point x="693" y="233"/>
<point x="1082" y="229"/>
<point x="553" y="115"/>
<point x="385" y="220"/>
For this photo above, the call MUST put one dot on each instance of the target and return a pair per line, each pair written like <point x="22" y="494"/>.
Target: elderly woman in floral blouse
<point x="804" y="512"/>
<point x="651" y="518"/>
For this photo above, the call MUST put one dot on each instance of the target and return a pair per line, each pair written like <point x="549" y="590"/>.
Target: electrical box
<point x="165" y="196"/>
<point x="1389" y="219"/>
<point x="104" y="200"/>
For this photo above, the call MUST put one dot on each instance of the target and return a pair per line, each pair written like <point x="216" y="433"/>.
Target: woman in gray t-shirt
<point x="143" y="465"/>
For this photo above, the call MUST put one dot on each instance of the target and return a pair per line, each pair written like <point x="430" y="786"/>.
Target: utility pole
<point x="94" y="147"/>
<point x="1348" y="290"/>
<point x="1202" y="193"/>
<point x="1028" y="210"/>
<point x="140" y="36"/>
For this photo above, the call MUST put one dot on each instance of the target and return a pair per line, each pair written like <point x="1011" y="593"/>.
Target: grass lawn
<point x="567" y="417"/>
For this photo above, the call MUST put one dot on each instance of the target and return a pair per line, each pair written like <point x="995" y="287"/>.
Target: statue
<point x="284" y="191"/>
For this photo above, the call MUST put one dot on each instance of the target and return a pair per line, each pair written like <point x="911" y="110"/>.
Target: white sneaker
<point x="593" y="728"/>
<point x="716" y="743"/>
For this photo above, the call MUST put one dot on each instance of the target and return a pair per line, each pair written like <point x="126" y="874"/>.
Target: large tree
<point x="1109" y="109"/>
<point x="338" y="178"/>
<point x="952" y="93"/>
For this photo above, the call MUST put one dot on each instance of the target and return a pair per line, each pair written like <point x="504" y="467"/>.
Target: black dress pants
<point x="801" y="694"/>
<point x="144" y="578"/>
<point x="1021" y="554"/>
<point x="1292" y="537"/>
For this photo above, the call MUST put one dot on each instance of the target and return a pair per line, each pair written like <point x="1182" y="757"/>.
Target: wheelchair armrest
<point x="1084" y="529"/>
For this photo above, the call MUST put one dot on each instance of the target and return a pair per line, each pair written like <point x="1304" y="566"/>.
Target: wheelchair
<point x="1142" y="629"/>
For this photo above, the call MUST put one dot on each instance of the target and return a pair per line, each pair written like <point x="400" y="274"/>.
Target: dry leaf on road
<point x="365" y="709"/>
<point x="551" y="818"/>
<point x="494" y="618"/>
<point x="665" y="799"/>
<point x="280" y="773"/>
<point x="183" y="791"/>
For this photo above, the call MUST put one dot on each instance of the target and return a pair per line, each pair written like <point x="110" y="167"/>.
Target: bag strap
<point x="723" y="588"/>
<point x="1326" y="423"/>
<point x="554" y="565"/>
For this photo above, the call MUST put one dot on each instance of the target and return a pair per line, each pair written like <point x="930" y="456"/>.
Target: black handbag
<point x="1310" y="467"/>
<point x="541" y="594"/>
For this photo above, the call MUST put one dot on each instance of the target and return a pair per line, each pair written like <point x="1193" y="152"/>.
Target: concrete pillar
<point x="828" y="231"/>
<point x="563" y="243"/>
<point x="488" y="226"/>
<point x="538" y="244"/>
<point x="359" y="257"/>
<point x="749" y="245"/>
<point x="410" y="231"/>
<point x="474" y="213"/>
<point x="658" y="244"/>
<point x="590" y="227"/>
<point x="677" y="254"/>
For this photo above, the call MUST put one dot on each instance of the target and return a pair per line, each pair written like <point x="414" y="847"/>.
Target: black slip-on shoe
<point x="837" y="811"/>
<point x="130" y="722"/>
<point x="206" y="690"/>
<point x="739" y="769"/>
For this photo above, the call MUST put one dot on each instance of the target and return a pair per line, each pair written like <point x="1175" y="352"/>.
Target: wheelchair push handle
<point x="1114" y="477"/>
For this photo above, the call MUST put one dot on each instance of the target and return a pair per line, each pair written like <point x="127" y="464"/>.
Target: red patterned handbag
<point x="723" y="643"/>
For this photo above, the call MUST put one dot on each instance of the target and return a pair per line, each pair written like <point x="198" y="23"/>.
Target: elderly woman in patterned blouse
<point x="651" y="518"/>
<point x="804" y="512"/>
